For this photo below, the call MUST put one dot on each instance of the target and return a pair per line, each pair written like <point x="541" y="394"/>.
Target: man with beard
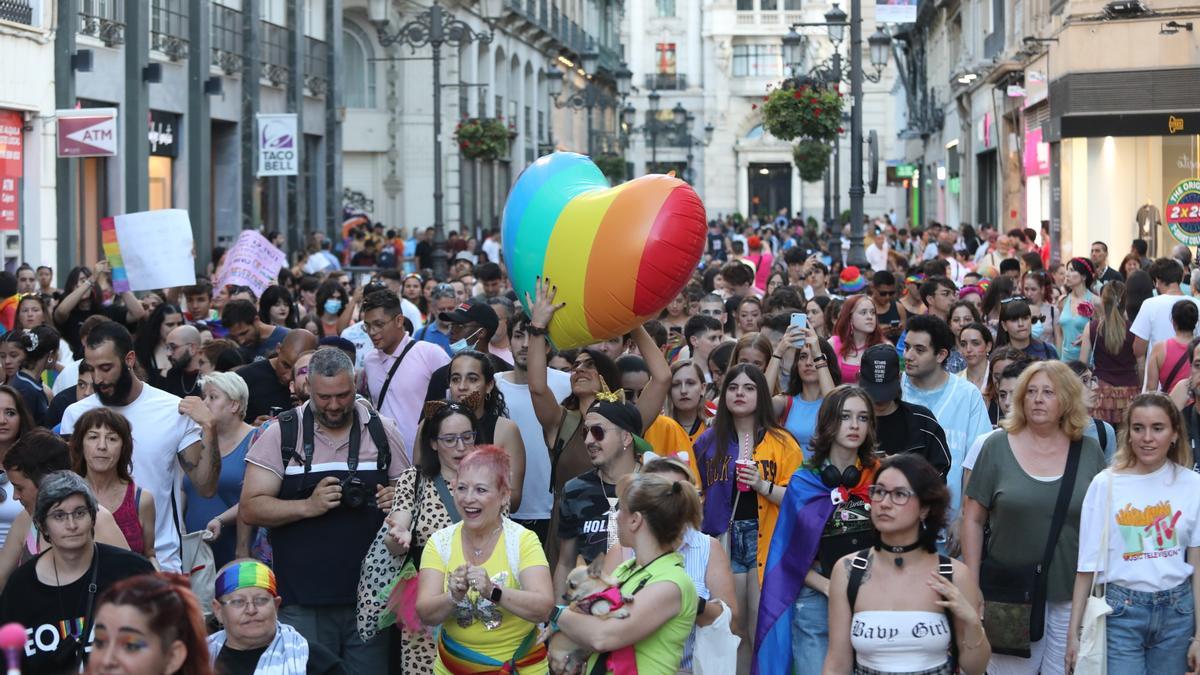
<point x="164" y="439"/>
<point x="536" y="498"/>
<point x="183" y="379"/>
<point x="586" y="514"/>
<point x="321" y="507"/>
<point x="257" y="339"/>
<point x="270" y="381"/>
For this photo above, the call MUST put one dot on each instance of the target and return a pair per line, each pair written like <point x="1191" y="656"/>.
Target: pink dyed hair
<point x="491" y="458"/>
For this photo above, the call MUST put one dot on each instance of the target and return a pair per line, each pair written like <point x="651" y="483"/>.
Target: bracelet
<point x="821" y="364"/>
<point x="531" y="329"/>
<point x="776" y="356"/>
<point x="820" y="359"/>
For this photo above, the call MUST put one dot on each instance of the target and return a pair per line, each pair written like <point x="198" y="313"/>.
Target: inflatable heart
<point x="617" y="255"/>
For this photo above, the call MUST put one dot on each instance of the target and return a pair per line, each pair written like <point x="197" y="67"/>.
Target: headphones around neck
<point x="848" y="478"/>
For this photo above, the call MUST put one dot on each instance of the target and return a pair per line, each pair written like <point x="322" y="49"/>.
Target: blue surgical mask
<point x="333" y="306"/>
<point x="464" y="343"/>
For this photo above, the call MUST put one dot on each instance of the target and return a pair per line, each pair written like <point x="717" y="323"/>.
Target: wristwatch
<point x="554" y="614"/>
<point x="496" y="593"/>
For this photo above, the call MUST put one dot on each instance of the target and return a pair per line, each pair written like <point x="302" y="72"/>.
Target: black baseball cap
<point x="879" y="373"/>
<point x="473" y="311"/>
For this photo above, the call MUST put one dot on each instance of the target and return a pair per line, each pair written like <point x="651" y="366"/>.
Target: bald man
<point x="182" y="380"/>
<point x="270" y="380"/>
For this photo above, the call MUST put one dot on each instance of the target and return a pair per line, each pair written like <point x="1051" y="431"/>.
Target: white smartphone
<point x="799" y="319"/>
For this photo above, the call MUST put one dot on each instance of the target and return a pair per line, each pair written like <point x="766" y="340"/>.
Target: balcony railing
<point x="275" y="46"/>
<point x="169" y="28"/>
<point x="17" y="11"/>
<point x="669" y="81"/>
<point x="554" y="21"/>
<point x="226" y="38"/>
<point x="316" y="73"/>
<point x="104" y="20"/>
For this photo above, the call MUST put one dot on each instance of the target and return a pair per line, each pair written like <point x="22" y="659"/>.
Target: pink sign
<point x="1037" y="154"/>
<point x="11" y="165"/>
<point x="87" y="132"/>
<point x="252" y="262"/>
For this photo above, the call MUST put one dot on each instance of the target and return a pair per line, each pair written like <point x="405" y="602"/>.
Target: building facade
<point x="388" y="141"/>
<point x="717" y="59"/>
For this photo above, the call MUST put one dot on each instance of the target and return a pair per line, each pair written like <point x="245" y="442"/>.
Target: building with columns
<point x="716" y="60"/>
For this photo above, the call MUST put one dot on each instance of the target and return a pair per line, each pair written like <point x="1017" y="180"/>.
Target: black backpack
<point x="289" y="433"/>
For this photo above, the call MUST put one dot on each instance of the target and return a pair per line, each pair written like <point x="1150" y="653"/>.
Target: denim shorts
<point x="1149" y="632"/>
<point x="743" y="546"/>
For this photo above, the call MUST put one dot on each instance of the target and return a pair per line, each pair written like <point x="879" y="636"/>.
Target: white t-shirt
<point x="492" y="248"/>
<point x="973" y="452"/>
<point x="1154" y="518"/>
<point x="1153" y="322"/>
<point x="536" y="500"/>
<point x="160" y="433"/>
<point x="68" y="377"/>
<point x="959" y="408"/>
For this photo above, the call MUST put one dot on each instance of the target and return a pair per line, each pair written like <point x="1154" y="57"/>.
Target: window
<point x="666" y="7"/>
<point x="792" y="5"/>
<point x="664" y="60"/>
<point x="768" y="5"/>
<point x="745" y="5"/>
<point x="757" y="61"/>
<point x="358" y="72"/>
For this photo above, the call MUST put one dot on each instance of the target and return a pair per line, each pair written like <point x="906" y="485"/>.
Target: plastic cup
<point x="749" y="463"/>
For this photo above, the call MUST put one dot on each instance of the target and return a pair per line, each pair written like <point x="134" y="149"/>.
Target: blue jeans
<point x="810" y="632"/>
<point x="743" y="546"/>
<point x="1149" y="632"/>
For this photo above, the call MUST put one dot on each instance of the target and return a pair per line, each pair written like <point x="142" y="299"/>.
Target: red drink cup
<point x="749" y="463"/>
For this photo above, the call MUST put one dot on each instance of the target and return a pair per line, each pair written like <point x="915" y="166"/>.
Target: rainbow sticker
<point x="112" y="252"/>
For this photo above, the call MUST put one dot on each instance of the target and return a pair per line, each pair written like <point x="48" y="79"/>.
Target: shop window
<point x="160" y="183"/>
<point x="358" y="71"/>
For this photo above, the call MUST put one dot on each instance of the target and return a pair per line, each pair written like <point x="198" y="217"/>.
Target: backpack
<point x="289" y="432"/>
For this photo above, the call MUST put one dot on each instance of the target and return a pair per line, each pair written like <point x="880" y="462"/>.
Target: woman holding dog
<point x="654" y="511"/>
<point x="485" y="579"/>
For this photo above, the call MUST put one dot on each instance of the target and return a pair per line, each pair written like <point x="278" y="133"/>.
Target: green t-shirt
<point x="662" y="651"/>
<point x="1020" y="508"/>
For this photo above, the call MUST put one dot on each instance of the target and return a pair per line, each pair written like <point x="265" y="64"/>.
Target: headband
<point x="1085" y="264"/>
<point x="245" y="574"/>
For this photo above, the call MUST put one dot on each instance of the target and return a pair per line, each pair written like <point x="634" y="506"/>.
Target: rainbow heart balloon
<point x="618" y="255"/>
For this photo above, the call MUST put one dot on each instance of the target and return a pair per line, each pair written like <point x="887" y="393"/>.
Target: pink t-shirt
<point x="849" y="370"/>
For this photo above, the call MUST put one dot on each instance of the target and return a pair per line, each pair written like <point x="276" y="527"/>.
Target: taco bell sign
<point x="278" y="147"/>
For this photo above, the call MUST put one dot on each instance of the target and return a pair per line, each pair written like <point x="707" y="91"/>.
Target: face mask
<point x="464" y="343"/>
<point x="333" y="306"/>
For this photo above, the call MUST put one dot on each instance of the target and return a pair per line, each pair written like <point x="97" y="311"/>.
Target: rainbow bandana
<point x="246" y="574"/>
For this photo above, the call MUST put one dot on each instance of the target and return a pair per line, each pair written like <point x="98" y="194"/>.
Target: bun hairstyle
<point x="171" y="610"/>
<point x="667" y="505"/>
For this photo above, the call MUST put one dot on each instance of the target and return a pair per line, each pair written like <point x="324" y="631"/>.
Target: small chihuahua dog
<point x="589" y="591"/>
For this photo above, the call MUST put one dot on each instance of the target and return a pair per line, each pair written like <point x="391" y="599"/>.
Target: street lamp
<point x="591" y="94"/>
<point x="835" y="22"/>
<point x="793" y="51"/>
<point x="434" y="27"/>
<point x="878" y="45"/>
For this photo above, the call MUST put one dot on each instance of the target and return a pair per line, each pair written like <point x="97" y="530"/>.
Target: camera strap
<point x="310" y="444"/>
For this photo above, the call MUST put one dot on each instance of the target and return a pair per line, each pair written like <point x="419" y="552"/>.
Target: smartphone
<point x="799" y="319"/>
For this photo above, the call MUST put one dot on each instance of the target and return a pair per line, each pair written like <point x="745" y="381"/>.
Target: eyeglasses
<point x="259" y="602"/>
<point x="375" y="327"/>
<point x="1014" y="298"/>
<point x="885" y="294"/>
<point x="900" y="496"/>
<point x="466" y="438"/>
<point x="78" y="514"/>
<point x="597" y="432"/>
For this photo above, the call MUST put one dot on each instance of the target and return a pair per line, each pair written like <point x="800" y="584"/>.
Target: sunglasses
<point x="597" y="432"/>
<point x="1014" y="298"/>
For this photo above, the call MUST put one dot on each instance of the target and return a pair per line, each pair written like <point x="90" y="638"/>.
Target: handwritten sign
<point x="252" y="262"/>
<point x="149" y="250"/>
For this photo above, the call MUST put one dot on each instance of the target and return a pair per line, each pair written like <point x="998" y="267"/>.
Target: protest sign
<point x="252" y="262"/>
<point x="149" y="250"/>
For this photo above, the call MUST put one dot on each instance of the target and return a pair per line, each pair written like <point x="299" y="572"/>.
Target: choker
<point x="898" y="550"/>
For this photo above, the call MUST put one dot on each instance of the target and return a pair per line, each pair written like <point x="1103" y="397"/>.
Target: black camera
<point x="354" y="492"/>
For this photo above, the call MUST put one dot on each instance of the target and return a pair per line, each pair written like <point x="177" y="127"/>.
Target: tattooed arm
<point x="201" y="460"/>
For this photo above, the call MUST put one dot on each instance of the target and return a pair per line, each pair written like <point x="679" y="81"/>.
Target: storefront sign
<point x="162" y="134"/>
<point x="1037" y="154"/>
<point x="278" y="154"/>
<point x="87" y="132"/>
<point x="905" y="170"/>
<point x="1183" y="212"/>
<point x="11" y="162"/>
<point x="985" y="133"/>
<point x="896" y="11"/>
<point x="1131" y="124"/>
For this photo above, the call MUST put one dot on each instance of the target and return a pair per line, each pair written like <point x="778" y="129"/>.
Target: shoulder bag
<point x="382" y="571"/>
<point x="1014" y="611"/>
<point x="1092" y="658"/>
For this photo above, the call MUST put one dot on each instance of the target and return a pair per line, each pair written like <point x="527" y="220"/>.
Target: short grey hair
<point x="57" y="486"/>
<point x="231" y="385"/>
<point x="443" y="290"/>
<point x="502" y="301"/>
<point x="330" y="362"/>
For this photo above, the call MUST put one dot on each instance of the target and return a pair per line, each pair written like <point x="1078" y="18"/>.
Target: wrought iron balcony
<point x="169" y="28"/>
<point x="17" y="11"/>
<point x="668" y="81"/>
<point x="276" y="41"/>
<point x="316" y="73"/>
<point x="104" y="20"/>
<point x="226" y="39"/>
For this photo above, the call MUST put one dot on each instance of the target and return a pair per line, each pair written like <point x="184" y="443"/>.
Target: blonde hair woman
<point x="1014" y="487"/>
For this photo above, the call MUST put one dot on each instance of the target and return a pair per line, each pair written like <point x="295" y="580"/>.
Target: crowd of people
<point x="932" y="463"/>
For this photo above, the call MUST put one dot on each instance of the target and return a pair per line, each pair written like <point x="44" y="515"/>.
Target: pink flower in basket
<point x="1085" y="309"/>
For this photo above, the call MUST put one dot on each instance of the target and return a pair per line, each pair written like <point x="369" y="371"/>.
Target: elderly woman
<point x="102" y="452"/>
<point x="150" y="625"/>
<point x="485" y="579"/>
<point x="59" y="587"/>
<point x="246" y="603"/>
<point x="1027" y="487"/>
<point x="654" y="512"/>
<point x="422" y="492"/>
<point x="220" y="415"/>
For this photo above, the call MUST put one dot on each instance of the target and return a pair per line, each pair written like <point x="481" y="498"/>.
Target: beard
<point x="120" y="389"/>
<point x="182" y="362"/>
<point x="329" y="421"/>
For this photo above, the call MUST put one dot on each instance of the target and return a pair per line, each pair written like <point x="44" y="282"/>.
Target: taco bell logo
<point x="277" y="154"/>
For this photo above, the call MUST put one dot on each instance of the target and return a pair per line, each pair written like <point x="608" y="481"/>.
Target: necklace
<point x="479" y="551"/>
<point x="898" y="550"/>
<point x="187" y="391"/>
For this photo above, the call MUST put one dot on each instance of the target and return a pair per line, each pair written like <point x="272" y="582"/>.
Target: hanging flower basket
<point x="811" y="158"/>
<point x="806" y="112"/>
<point x="482" y="138"/>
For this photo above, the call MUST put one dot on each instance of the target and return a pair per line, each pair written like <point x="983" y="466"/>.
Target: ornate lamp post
<point x="592" y="94"/>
